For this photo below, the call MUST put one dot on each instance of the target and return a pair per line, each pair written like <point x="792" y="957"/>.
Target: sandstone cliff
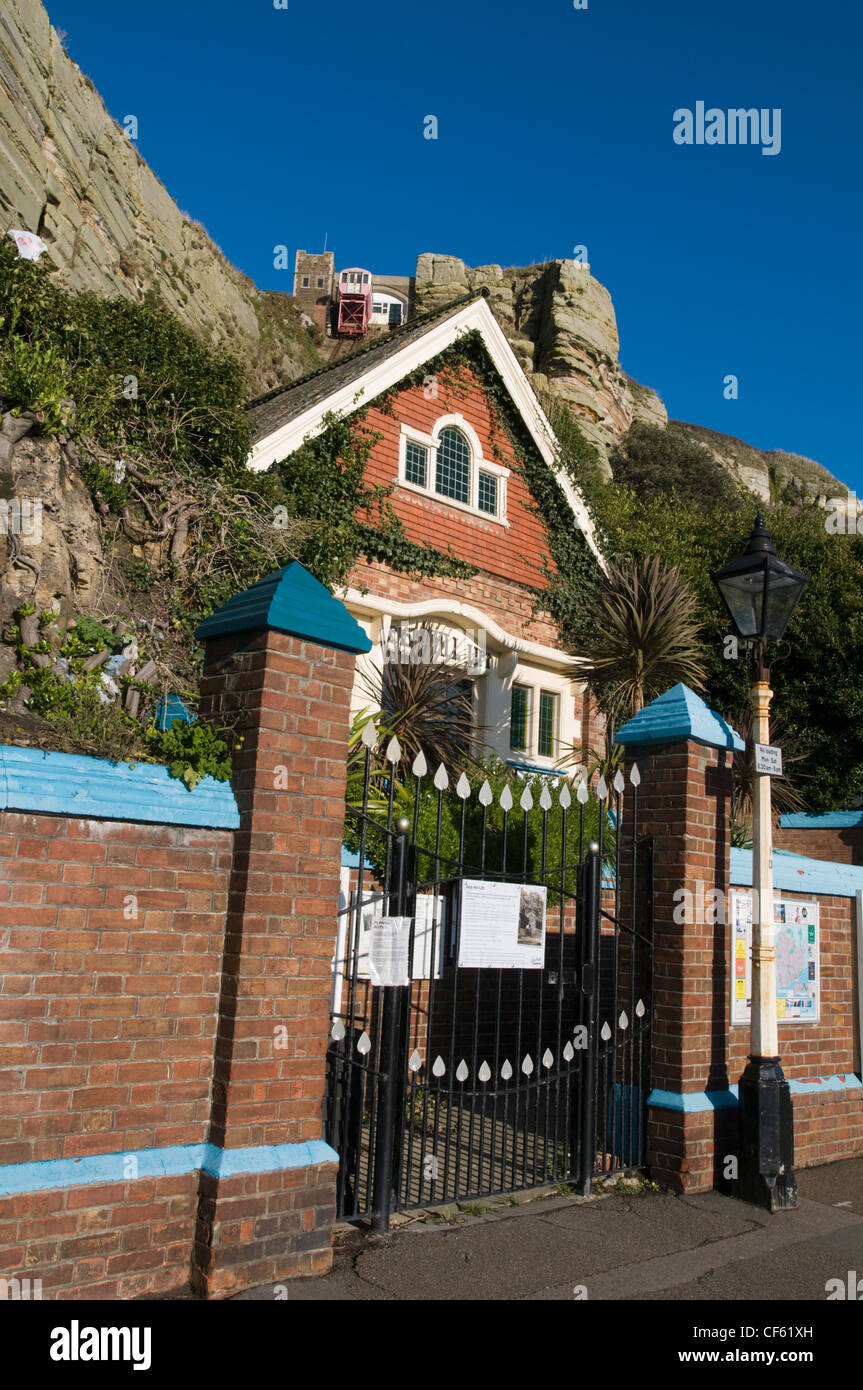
<point x="72" y="175"/>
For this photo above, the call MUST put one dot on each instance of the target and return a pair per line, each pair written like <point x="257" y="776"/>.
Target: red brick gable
<point x="514" y="552"/>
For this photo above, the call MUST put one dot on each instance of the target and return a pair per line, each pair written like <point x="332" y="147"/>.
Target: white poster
<point x="430" y="917"/>
<point x="798" y="965"/>
<point x="429" y="934"/>
<point x="389" y="951"/>
<point x="502" y="925"/>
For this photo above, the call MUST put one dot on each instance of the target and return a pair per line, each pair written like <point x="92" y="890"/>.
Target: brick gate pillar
<point x="281" y="657"/>
<point x="684" y="751"/>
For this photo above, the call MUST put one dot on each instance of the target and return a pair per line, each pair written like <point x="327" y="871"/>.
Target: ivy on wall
<point x="324" y="483"/>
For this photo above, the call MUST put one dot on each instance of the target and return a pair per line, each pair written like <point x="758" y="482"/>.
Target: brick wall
<point x="164" y="990"/>
<point x="111" y="939"/>
<point x="506" y="601"/>
<point x="683" y="803"/>
<point x="839" y="844"/>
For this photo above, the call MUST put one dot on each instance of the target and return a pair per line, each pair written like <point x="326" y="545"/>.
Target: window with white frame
<point x="534" y="721"/>
<point x="449" y="464"/>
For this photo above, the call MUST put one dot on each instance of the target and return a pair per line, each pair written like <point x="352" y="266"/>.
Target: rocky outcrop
<point x="560" y="323"/>
<point x="71" y="174"/>
<point x="51" y="552"/>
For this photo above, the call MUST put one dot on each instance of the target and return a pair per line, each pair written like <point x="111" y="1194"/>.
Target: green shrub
<point x="192" y="751"/>
<point x="35" y="376"/>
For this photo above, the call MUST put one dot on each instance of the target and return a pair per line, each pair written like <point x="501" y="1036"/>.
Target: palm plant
<point x="643" y="622"/>
<point x="644" y="630"/>
<point x="427" y="706"/>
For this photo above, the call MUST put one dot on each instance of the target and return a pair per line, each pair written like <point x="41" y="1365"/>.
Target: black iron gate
<point x="475" y="1079"/>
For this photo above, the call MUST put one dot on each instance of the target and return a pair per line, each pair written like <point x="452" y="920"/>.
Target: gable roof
<point x="283" y="419"/>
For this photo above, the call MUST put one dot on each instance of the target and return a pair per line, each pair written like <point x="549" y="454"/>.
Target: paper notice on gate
<point x="502" y="925"/>
<point x="389" y="954"/>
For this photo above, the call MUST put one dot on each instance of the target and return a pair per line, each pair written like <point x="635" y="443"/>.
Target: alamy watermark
<point x="844" y="516"/>
<point x="850" y="1288"/>
<point x="737" y="126"/>
<point x="406" y="644"/>
<point x="21" y="516"/>
<point x="20" y="1290"/>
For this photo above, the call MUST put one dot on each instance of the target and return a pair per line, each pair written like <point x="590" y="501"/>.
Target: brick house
<point x="458" y="482"/>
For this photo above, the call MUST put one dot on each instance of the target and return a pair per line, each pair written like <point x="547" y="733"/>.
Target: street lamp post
<point x="761" y="592"/>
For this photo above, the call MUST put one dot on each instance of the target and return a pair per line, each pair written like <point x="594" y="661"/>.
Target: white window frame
<point x="478" y="464"/>
<point x="568" y="730"/>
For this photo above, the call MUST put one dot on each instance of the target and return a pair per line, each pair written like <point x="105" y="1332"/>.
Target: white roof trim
<point x="360" y="604"/>
<point x="476" y="315"/>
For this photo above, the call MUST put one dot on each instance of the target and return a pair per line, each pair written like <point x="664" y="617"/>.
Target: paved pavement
<point x="624" y="1244"/>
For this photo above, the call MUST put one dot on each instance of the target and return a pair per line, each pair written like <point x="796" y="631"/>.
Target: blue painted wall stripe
<point x="794" y="873"/>
<point x="91" y="788"/>
<point x="693" y="1102"/>
<point x="156" y="1163"/>
<point x="830" y="820"/>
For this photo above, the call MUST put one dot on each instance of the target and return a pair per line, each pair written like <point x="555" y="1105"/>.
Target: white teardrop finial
<point x="605" y="1032"/>
<point x="635" y="775"/>
<point x="420" y="766"/>
<point x="583" y="792"/>
<point x="619" y="782"/>
<point x="463" y="787"/>
<point x="506" y="799"/>
<point x="506" y="1070"/>
<point x="545" y="799"/>
<point x="568" y="1052"/>
<point x="565" y="797"/>
<point x="441" y="780"/>
<point x="369" y="735"/>
<point x="415" y="1061"/>
<point x="439" y="1066"/>
<point x="601" y="789"/>
<point x="485" y="794"/>
<point x="484" y="1072"/>
<point x="461" y="1072"/>
<point x="525" y="801"/>
<point x="364" y="1043"/>
<point x="527" y="1065"/>
<point x="337" y="1032"/>
<point x="547" y="1059"/>
<point x="639" y="1009"/>
<point x="394" y="751"/>
<point x="623" y="1022"/>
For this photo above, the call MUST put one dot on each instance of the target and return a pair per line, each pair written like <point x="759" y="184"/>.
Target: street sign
<point x="768" y="759"/>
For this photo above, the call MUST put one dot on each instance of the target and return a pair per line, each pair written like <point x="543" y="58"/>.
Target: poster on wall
<point x="502" y="925"/>
<point x="798" y="962"/>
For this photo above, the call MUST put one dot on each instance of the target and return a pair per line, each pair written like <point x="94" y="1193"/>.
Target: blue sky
<point x="555" y="130"/>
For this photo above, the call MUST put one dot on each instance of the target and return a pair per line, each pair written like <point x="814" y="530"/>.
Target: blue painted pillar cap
<point x="676" y="717"/>
<point x="290" y="600"/>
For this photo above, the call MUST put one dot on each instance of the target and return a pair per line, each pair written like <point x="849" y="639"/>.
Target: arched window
<point x="453" y="466"/>
<point x="449" y="464"/>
